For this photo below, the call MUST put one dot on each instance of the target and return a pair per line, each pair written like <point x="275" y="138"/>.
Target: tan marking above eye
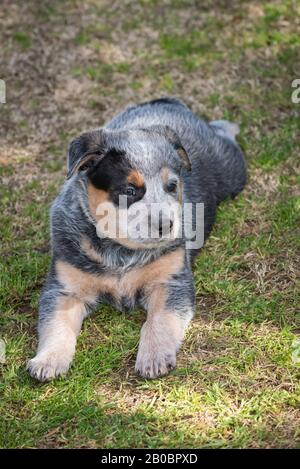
<point x="164" y="174"/>
<point x="135" y="178"/>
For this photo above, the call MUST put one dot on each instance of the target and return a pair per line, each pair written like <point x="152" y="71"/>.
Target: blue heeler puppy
<point x="152" y="153"/>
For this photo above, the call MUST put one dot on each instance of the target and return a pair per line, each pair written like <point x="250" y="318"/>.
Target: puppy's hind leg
<point x="60" y="320"/>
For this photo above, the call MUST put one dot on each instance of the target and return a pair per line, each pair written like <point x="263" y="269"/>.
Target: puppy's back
<point x="218" y="164"/>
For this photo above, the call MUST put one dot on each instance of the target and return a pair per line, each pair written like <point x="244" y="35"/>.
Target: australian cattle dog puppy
<point x="121" y="234"/>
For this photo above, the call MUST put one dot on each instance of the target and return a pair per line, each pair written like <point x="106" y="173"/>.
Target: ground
<point x="69" y="66"/>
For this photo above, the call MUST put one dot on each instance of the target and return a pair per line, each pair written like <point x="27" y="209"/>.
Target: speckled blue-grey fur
<point x="217" y="171"/>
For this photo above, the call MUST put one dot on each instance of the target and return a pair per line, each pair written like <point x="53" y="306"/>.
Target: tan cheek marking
<point x="95" y="198"/>
<point x="90" y="252"/>
<point x="136" y="178"/>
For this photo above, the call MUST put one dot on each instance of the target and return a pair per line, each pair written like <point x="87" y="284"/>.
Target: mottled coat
<point x="151" y="152"/>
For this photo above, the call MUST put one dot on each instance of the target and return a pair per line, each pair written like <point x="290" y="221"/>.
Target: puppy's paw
<point x="48" y="366"/>
<point x="154" y="363"/>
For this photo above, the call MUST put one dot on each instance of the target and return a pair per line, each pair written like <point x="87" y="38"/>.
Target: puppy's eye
<point x="172" y="187"/>
<point x="130" y="191"/>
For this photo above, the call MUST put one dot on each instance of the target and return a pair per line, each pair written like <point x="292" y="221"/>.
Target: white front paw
<point x="153" y="364"/>
<point x="47" y="366"/>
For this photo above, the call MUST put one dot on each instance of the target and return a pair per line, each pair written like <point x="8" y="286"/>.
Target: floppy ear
<point x="85" y="151"/>
<point x="173" y="138"/>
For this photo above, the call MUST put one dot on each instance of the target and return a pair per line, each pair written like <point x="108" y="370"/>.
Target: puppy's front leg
<point x="59" y="324"/>
<point x="57" y="339"/>
<point x="170" y="309"/>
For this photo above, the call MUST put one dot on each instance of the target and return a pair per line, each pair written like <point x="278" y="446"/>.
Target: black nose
<point x="162" y="227"/>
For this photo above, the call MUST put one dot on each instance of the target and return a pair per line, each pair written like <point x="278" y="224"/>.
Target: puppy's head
<point x="134" y="183"/>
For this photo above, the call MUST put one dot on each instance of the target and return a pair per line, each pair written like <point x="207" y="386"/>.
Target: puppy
<point x="152" y="158"/>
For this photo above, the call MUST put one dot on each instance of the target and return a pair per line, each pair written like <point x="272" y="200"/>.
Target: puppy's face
<point x="133" y="181"/>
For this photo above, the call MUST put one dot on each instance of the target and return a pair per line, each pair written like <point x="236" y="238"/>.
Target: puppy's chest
<point x="131" y="289"/>
<point x="123" y="291"/>
<point x="124" y="297"/>
<point x="134" y="288"/>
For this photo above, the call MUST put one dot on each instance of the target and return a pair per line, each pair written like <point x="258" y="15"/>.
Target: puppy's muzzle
<point x="161" y="226"/>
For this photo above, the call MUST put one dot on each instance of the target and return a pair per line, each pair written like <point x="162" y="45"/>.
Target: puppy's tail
<point x="226" y="129"/>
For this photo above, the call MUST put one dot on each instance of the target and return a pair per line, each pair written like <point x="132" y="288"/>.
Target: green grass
<point x="237" y="380"/>
<point x="22" y="39"/>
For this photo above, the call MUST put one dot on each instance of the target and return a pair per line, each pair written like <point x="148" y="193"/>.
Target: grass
<point x="22" y="39"/>
<point x="237" y="380"/>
